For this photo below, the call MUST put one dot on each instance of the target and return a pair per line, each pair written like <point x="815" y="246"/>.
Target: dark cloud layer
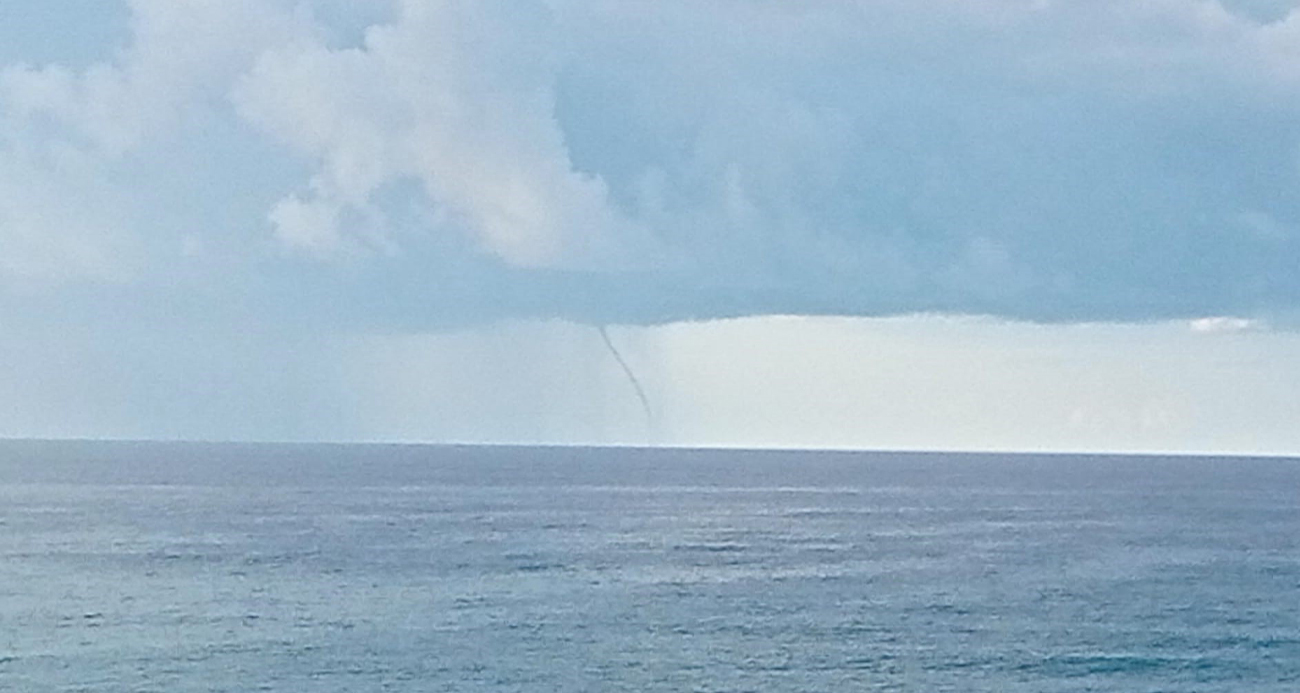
<point x="426" y="164"/>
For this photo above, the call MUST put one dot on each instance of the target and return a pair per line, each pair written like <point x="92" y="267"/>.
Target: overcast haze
<point x="988" y="224"/>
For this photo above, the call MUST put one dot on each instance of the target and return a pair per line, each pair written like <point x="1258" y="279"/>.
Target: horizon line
<point x="717" y="447"/>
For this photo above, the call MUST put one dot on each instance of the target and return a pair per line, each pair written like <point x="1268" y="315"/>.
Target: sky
<point x="961" y="224"/>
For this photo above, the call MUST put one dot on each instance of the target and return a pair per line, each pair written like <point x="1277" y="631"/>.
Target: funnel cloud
<point x="631" y="377"/>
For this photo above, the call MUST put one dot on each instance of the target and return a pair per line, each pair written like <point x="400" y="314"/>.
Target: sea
<point x="177" y="567"/>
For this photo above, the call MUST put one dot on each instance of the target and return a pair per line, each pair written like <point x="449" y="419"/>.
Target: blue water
<point x="182" y="567"/>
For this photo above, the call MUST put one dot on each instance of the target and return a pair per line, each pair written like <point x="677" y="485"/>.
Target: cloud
<point x="457" y="96"/>
<point x="1056" y="160"/>
<point x="181" y="56"/>
<point x="68" y="136"/>
<point x="1223" y="323"/>
<point x="57" y="221"/>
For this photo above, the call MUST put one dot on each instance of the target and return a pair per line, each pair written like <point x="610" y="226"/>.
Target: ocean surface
<point x="192" y="567"/>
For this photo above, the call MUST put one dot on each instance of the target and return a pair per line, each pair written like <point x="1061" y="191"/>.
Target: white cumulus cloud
<point x="457" y="96"/>
<point x="64" y="132"/>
